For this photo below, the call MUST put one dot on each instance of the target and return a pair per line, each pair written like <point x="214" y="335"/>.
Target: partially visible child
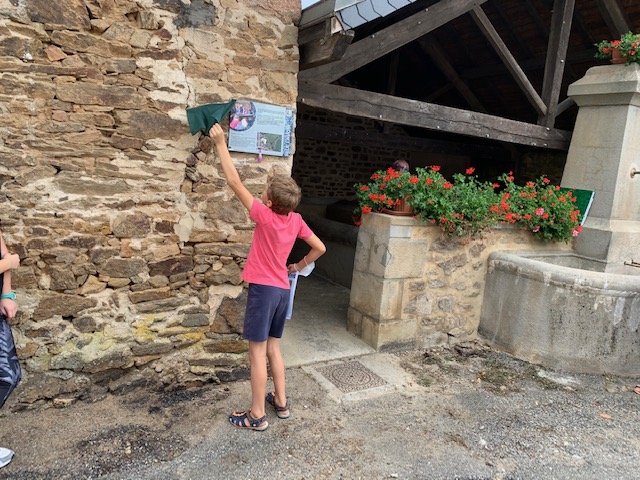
<point x="10" y="373"/>
<point x="400" y="165"/>
<point x="267" y="273"/>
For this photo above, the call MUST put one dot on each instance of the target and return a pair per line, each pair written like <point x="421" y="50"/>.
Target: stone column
<point x="604" y="151"/>
<point x="387" y="258"/>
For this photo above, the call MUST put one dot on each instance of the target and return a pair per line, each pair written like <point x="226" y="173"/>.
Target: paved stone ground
<point x="464" y="413"/>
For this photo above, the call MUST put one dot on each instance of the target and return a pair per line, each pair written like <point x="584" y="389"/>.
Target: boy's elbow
<point x="322" y="249"/>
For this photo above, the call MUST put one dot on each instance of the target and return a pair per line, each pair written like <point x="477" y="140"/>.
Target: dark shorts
<point x="266" y="312"/>
<point x="10" y="373"/>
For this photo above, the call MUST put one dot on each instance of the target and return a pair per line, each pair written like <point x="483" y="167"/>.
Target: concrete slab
<point x="371" y="375"/>
<point x="317" y="331"/>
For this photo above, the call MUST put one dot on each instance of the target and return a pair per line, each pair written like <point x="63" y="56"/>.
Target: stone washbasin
<point x="562" y="311"/>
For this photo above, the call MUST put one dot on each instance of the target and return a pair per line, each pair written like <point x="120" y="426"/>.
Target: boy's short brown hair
<point x="284" y="193"/>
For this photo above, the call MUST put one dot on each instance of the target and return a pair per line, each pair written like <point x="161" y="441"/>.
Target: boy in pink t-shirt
<point x="266" y="271"/>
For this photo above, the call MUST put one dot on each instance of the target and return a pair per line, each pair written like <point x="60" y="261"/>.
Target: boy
<point x="9" y="366"/>
<point x="277" y="228"/>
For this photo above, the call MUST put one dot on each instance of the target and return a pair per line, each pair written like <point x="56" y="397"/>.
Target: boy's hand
<point x="217" y="134"/>
<point x="14" y="260"/>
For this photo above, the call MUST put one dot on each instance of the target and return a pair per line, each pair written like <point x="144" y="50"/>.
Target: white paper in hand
<point x="306" y="271"/>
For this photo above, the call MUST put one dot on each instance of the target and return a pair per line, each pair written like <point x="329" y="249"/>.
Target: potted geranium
<point x="386" y="192"/>
<point x="546" y="210"/>
<point x="461" y="206"/>
<point x="465" y="206"/>
<point x="625" y="50"/>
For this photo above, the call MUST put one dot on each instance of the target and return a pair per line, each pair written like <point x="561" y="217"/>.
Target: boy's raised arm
<point x="230" y="172"/>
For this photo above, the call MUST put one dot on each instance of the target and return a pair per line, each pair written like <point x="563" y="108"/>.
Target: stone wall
<point x="415" y="286"/>
<point x="131" y="244"/>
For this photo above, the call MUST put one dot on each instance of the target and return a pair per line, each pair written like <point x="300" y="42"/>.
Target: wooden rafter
<point x="556" y="56"/>
<point x="510" y="62"/>
<point x="614" y="16"/>
<point x="434" y="51"/>
<point x="426" y="115"/>
<point x="391" y="38"/>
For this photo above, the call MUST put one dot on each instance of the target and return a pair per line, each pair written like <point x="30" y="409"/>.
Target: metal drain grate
<point x="351" y="376"/>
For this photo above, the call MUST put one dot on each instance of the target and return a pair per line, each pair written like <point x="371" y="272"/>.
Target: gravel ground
<point x="469" y="413"/>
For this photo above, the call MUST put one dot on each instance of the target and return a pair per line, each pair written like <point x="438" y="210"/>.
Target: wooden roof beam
<point x="391" y="38"/>
<point x="403" y="111"/>
<point x="318" y="31"/>
<point x="433" y="49"/>
<point x="325" y="50"/>
<point x="555" y="60"/>
<point x="613" y="16"/>
<point x="503" y="52"/>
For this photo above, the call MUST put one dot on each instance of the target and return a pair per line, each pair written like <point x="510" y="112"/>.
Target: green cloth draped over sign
<point x="202" y="118"/>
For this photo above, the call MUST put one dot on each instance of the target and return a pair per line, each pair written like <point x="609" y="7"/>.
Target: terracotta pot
<point x="616" y="57"/>
<point x="402" y="208"/>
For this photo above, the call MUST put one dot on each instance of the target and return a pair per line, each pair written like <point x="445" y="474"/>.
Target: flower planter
<point x="402" y="208"/>
<point x="616" y="57"/>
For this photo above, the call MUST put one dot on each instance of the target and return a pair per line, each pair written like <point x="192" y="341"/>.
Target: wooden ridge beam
<point x="391" y="38"/>
<point x="426" y="115"/>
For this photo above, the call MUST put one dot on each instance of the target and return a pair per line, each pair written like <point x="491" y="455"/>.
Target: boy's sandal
<point x="245" y="420"/>
<point x="281" y="412"/>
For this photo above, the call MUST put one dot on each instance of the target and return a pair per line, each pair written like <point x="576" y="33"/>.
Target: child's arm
<point x="9" y="261"/>
<point x="230" y="172"/>
<point x="317" y="250"/>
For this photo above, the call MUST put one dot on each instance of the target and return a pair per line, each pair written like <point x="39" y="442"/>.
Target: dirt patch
<point x="495" y="371"/>
<point x="90" y="440"/>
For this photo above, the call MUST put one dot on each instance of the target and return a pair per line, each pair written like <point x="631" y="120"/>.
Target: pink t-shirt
<point x="273" y="240"/>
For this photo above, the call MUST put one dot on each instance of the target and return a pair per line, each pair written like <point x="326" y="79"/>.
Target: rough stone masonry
<point x="131" y="244"/>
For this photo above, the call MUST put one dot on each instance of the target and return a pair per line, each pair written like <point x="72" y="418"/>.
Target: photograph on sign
<point x="260" y="128"/>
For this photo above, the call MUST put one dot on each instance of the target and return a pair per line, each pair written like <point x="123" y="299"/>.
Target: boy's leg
<point x="276" y="363"/>
<point x="258" y="369"/>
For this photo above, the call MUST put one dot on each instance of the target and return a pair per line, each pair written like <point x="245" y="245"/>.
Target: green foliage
<point x="461" y="207"/>
<point x="543" y="209"/>
<point x="466" y="206"/>
<point x="384" y="190"/>
<point x="628" y="45"/>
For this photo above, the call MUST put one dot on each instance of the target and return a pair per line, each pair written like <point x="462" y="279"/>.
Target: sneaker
<point x="5" y="456"/>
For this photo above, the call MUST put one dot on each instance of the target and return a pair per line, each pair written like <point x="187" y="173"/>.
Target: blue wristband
<point x="10" y="295"/>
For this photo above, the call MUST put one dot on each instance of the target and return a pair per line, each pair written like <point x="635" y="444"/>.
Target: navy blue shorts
<point x="10" y="373"/>
<point x="266" y="312"/>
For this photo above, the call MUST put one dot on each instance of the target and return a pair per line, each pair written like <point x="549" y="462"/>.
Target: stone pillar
<point x="387" y="258"/>
<point x="604" y="151"/>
